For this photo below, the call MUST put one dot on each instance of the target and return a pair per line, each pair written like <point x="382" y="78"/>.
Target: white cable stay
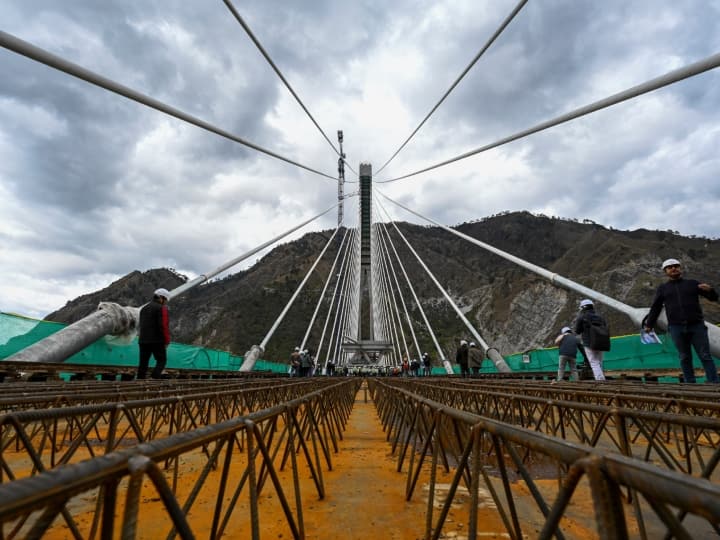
<point x="393" y="307"/>
<point x="33" y="52"/>
<point x="383" y="330"/>
<point x="335" y="296"/>
<point x="389" y="294"/>
<point x="209" y="275"/>
<point x="349" y="321"/>
<point x="443" y="359"/>
<point x="394" y="286"/>
<point x="670" y="77"/>
<point x="438" y="348"/>
<point x="331" y="272"/>
<point x="635" y="314"/>
<point x="395" y="322"/>
<point x="270" y="61"/>
<point x="350" y="325"/>
<point x="381" y="318"/>
<point x="111" y="318"/>
<point x="399" y="289"/>
<point x="254" y="353"/>
<point x="484" y="48"/>
<point x="490" y="352"/>
<point x="338" y="316"/>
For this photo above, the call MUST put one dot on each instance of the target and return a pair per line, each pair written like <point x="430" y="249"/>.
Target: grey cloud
<point x="118" y="186"/>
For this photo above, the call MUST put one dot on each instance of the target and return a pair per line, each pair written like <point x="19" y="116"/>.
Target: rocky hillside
<point x="513" y="309"/>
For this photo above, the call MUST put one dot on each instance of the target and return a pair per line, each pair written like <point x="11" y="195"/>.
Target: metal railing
<point x="226" y="468"/>
<point x="39" y="439"/>
<point x="628" y="495"/>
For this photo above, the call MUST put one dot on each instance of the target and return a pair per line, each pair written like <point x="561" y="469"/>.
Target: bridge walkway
<point x="365" y="494"/>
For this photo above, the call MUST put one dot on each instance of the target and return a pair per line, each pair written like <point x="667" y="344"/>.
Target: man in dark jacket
<point x="582" y="328"/>
<point x="427" y="365"/>
<point x="295" y="362"/>
<point x="154" y="334"/>
<point x="461" y="357"/>
<point x="475" y="358"/>
<point x="686" y="324"/>
<point x="568" y="347"/>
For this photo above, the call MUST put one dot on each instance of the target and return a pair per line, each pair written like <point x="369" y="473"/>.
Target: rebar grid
<point x="32" y="441"/>
<point x="686" y="440"/>
<point x="630" y="497"/>
<point x="240" y="460"/>
<point x="650" y="396"/>
<point x="24" y="396"/>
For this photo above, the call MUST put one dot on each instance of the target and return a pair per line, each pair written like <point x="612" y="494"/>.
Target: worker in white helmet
<point x="568" y="347"/>
<point x="154" y="334"/>
<point x="686" y="323"/>
<point x="595" y="336"/>
<point x="461" y="357"/>
<point x="475" y="358"/>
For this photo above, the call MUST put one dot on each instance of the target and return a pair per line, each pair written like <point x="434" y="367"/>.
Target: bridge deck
<point x="365" y="494"/>
<point x="201" y="441"/>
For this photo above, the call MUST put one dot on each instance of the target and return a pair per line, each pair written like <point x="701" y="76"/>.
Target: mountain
<point x="513" y="309"/>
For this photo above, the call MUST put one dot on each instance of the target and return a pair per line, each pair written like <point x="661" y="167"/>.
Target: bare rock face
<point x="534" y="316"/>
<point x="512" y="309"/>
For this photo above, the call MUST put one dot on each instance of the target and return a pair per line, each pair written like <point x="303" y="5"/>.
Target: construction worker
<point x="475" y="358"/>
<point x="154" y="334"/>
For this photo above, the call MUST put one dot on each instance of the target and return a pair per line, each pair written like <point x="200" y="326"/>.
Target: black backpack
<point x="598" y="332"/>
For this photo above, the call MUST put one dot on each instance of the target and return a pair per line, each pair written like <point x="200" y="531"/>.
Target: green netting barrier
<point x="628" y="353"/>
<point x="17" y="332"/>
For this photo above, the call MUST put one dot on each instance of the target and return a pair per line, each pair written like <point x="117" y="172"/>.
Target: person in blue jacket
<point x="686" y="323"/>
<point x="568" y="347"/>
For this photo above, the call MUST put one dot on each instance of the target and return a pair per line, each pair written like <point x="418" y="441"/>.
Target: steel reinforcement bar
<point x="629" y="496"/>
<point x="602" y="392"/>
<point x="226" y="468"/>
<point x="44" y="396"/>
<point x="36" y="440"/>
<point x="682" y="441"/>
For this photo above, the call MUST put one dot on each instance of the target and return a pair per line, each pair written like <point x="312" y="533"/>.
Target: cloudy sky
<point x="93" y="185"/>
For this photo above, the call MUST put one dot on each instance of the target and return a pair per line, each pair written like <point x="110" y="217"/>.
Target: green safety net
<point x="17" y="332"/>
<point x="627" y="353"/>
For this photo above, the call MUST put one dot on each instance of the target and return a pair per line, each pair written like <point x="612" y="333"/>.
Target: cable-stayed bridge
<point x="243" y="454"/>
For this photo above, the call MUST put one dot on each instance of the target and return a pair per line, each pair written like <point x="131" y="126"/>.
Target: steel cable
<point x="485" y="47"/>
<point x="670" y="77"/>
<point x="33" y="52"/>
<point x="270" y="61"/>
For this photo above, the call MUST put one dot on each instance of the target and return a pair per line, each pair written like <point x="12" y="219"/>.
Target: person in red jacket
<point x="154" y="334"/>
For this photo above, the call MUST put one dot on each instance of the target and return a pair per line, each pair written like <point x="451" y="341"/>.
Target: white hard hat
<point x="162" y="292"/>
<point x="586" y="302"/>
<point x="463" y="342"/>
<point x="472" y="344"/>
<point x="670" y="262"/>
<point x="297" y="348"/>
<point x="565" y="330"/>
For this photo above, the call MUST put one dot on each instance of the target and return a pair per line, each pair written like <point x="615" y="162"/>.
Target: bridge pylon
<point x="366" y="348"/>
